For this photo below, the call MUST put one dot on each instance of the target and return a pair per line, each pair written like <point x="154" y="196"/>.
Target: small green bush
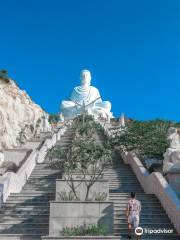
<point x="84" y="230"/>
<point x="66" y="196"/>
<point x="100" y="197"/>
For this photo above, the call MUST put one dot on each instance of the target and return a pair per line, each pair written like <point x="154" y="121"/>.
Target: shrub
<point x="66" y="196"/>
<point x="100" y="197"/>
<point x="147" y="138"/>
<point x="84" y="230"/>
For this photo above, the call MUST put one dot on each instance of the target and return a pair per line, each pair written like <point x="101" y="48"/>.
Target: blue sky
<point x="131" y="47"/>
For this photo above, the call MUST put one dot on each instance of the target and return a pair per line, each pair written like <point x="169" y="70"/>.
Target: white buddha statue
<point x="85" y="98"/>
<point x="172" y="155"/>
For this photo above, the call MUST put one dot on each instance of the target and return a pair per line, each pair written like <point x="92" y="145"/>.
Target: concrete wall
<point x="73" y="214"/>
<point x="16" y="155"/>
<point x="101" y="186"/>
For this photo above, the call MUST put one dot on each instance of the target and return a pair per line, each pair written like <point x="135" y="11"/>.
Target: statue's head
<point x="85" y="78"/>
<point x="172" y="130"/>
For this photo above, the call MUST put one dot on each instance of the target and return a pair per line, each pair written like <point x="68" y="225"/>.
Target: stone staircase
<point x="123" y="181"/>
<point x="26" y="214"/>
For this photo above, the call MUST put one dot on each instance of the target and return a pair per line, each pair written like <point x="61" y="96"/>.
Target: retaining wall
<point x="77" y="213"/>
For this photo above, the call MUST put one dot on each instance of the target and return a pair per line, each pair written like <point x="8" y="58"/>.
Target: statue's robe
<point x="85" y="99"/>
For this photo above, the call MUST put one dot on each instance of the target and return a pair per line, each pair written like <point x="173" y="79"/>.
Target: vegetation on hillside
<point x="4" y="75"/>
<point x="147" y="138"/>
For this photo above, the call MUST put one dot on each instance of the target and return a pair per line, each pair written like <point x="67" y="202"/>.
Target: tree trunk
<point x="87" y="193"/>
<point x="74" y="190"/>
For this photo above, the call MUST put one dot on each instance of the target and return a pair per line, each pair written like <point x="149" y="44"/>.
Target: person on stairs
<point x="133" y="212"/>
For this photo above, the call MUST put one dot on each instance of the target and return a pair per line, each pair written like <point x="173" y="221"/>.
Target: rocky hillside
<point x="20" y="117"/>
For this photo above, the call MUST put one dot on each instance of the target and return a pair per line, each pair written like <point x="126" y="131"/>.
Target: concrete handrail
<point x="155" y="183"/>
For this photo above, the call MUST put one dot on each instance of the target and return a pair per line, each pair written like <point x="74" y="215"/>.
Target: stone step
<point x="124" y="230"/>
<point x="123" y="175"/>
<point x="116" y="190"/>
<point x="121" y="210"/>
<point x="29" y="199"/>
<point x="120" y="174"/>
<point x="144" y="225"/>
<point x="29" y="204"/>
<point x="30" y="194"/>
<point x="121" y="214"/>
<point x="38" y="185"/>
<point x="119" y="182"/>
<point x="144" y="220"/>
<point x="127" y="195"/>
<point x="18" y="214"/>
<point x="116" y="180"/>
<point x="44" y="176"/>
<point x="134" y="184"/>
<point x="42" y="180"/>
<point x="126" y="199"/>
<point x="125" y="189"/>
<point x="110" y="238"/>
<point x="25" y="212"/>
<point x="45" y="171"/>
<point x="20" y="236"/>
<point x="9" y="215"/>
<point x="129" y="186"/>
<point x="50" y="173"/>
<point x="122" y="181"/>
<point x="41" y="183"/>
<point x="144" y="237"/>
<point x="122" y="178"/>
<point x="143" y="206"/>
<point x="20" y="230"/>
<point x="118" y="170"/>
<point x="36" y="220"/>
<point x="24" y="225"/>
<point x="33" y="192"/>
<point x="45" y="189"/>
<point x="83" y="238"/>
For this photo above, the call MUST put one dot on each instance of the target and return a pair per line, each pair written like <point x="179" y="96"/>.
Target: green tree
<point x="85" y="156"/>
